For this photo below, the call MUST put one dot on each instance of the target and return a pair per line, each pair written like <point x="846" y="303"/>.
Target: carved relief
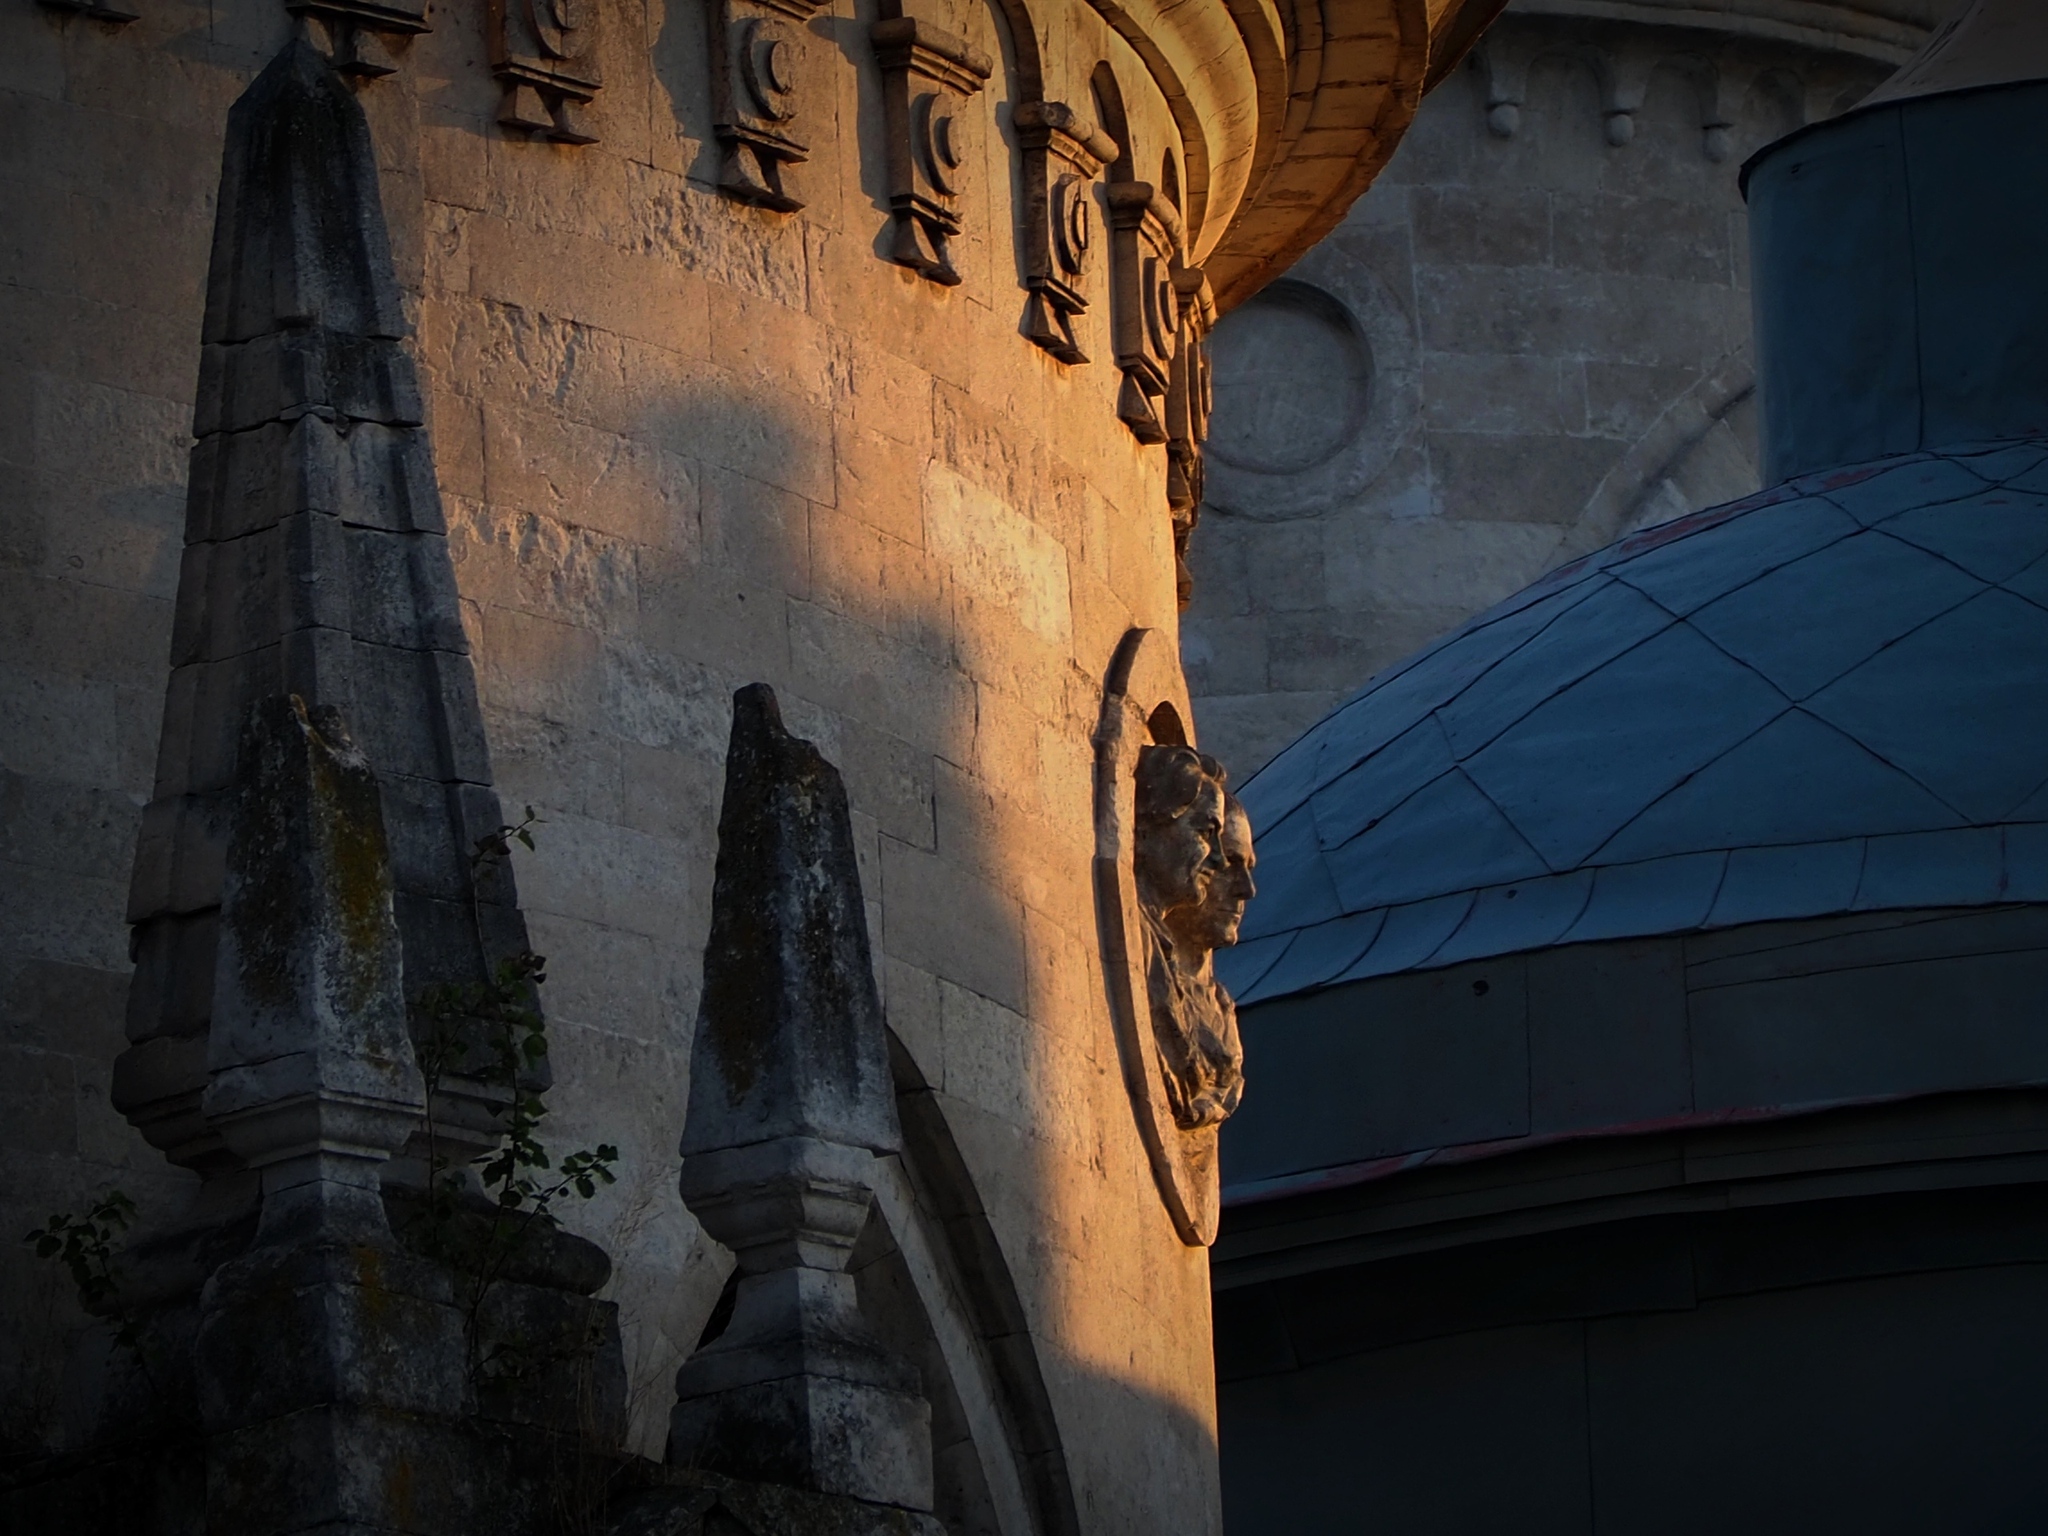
<point x="927" y="76"/>
<point x="1189" y="395"/>
<point x="1145" y="238"/>
<point x="1063" y="154"/>
<point x="759" y="59"/>
<point x="544" y="52"/>
<point x="1173" y="871"/>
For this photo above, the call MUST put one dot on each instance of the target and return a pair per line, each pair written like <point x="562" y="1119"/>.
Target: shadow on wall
<point x="619" y="590"/>
<point x="636" y="533"/>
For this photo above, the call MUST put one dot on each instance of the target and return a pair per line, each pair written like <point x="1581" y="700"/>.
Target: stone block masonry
<point x="682" y="442"/>
<point x="1532" y="335"/>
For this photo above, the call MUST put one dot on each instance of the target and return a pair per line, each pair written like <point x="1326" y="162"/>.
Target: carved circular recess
<point x="1316" y="390"/>
<point x="769" y="57"/>
<point x="939" y="137"/>
<point x="1073" y="224"/>
<point x="1293" y="381"/>
<point x="1162" y="306"/>
<point x="552" y="22"/>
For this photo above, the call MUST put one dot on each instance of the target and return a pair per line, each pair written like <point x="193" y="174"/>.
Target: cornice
<point x="1329" y="116"/>
<point x="1884" y="31"/>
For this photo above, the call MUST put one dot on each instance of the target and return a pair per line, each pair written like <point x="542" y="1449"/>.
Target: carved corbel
<point x="359" y="33"/>
<point x="759" y="61"/>
<point x="1717" y="98"/>
<point x="1502" y="59"/>
<point x="927" y="76"/>
<point x="1188" y="397"/>
<point x="544" y="53"/>
<point x="1063" y="154"/>
<point x="1145" y="239"/>
<point x="1624" y="75"/>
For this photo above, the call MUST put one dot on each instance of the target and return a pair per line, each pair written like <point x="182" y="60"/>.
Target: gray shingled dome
<point x="1825" y="698"/>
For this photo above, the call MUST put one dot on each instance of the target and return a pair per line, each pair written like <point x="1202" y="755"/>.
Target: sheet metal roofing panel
<point x="1798" y="704"/>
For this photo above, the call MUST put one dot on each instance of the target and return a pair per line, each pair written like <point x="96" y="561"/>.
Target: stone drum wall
<point x="849" y="351"/>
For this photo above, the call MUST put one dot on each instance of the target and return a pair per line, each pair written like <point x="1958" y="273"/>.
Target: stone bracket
<point x="360" y="32"/>
<point x="760" y="76"/>
<point x="1189" y="396"/>
<point x="1622" y="70"/>
<point x="1063" y="154"/>
<point x="927" y="76"/>
<point x="1145" y="240"/>
<point x="544" y="53"/>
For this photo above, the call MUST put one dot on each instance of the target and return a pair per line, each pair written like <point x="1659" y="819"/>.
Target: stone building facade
<point x="750" y="342"/>
<point x="1533" y="334"/>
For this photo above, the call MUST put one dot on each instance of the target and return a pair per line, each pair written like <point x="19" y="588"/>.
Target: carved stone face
<point x="1180" y="828"/>
<point x="1213" y="924"/>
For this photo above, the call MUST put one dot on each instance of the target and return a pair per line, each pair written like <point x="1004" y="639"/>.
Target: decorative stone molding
<point x="544" y="53"/>
<point x="1623" y="75"/>
<point x="1347" y="343"/>
<point x="759" y="64"/>
<point x="1145" y="244"/>
<point x="927" y="76"/>
<point x="1189" y="395"/>
<point x="1173" y="863"/>
<point x="359" y="33"/>
<point x="1063" y="154"/>
<point x="1624" y="44"/>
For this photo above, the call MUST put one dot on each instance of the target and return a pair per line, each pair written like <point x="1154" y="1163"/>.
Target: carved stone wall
<point x="694" y="428"/>
<point x="1531" y="335"/>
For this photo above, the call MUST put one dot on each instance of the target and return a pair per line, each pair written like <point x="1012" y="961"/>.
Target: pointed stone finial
<point x="313" y="1081"/>
<point x="315" y="564"/>
<point x="789" y="1032"/>
<point x="790" y="1100"/>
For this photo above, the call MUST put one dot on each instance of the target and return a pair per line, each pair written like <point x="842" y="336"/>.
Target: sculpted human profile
<point x="1194" y="873"/>
<point x="1173" y="871"/>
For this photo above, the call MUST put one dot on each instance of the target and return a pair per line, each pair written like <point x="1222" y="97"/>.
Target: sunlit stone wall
<point x="684" y="443"/>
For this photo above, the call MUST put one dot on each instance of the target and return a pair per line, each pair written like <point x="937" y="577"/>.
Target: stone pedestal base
<point x="849" y="1438"/>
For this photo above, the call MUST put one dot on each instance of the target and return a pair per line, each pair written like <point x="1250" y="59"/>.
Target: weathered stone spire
<point x="328" y="1365"/>
<point x="790" y="1037"/>
<point x="315" y="564"/>
<point x="790" y="1101"/>
<point x="312" y="1075"/>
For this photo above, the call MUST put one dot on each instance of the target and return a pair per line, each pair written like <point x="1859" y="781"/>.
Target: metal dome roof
<point x="1825" y="698"/>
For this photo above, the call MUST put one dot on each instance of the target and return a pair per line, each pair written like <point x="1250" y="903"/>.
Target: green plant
<point x="491" y="1032"/>
<point x="85" y="1246"/>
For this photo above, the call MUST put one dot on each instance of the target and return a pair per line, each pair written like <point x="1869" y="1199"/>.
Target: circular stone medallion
<point x="1293" y="381"/>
